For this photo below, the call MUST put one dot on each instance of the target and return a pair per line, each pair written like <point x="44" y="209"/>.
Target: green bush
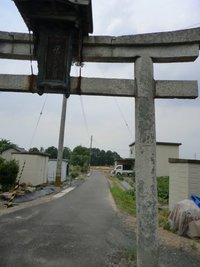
<point x="163" y="189"/>
<point x="8" y="173"/>
<point x="120" y="177"/>
<point x="74" y="174"/>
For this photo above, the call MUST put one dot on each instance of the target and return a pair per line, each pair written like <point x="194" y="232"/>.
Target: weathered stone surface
<point x="159" y="54"/>
<point x="117" y="49"/>
<point x="105" y="87"/>
<point x="159" y="38"/>
<point x="145" y="165"/>
<point x="176" y="89"/>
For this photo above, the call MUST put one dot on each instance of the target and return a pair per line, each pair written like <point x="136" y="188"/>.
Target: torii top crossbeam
<point x="176" y="46"/>
<point x="17" y="45"/>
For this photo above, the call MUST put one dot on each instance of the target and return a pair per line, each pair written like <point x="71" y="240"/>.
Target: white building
<point x="7" y="154"/>
<point x="35" y="168"/>
<point x="52" y="164"/>
<point x="184" y="180"/>
<point x="164" y="151"/>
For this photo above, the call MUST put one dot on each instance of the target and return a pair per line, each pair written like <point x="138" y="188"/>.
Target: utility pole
<point x="61" y="142"/>
<point x="90" y="152"/>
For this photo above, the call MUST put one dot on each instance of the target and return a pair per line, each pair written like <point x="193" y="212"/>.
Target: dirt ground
<point x="168" y="238"/>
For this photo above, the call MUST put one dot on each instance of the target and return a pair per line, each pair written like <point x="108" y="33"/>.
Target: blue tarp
<point x="196" y="200"/>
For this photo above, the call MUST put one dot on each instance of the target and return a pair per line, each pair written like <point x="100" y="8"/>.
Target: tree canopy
<point x="52" y="151"/>
<point x="102" y="157"/>
<point x="66" y="153"/>
<point x="34" y="149"/>
<point x="80" y="156"/>
<point x="5" y="144"/>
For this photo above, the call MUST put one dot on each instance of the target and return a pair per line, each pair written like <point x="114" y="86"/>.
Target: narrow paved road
<point x="81" y="229"/>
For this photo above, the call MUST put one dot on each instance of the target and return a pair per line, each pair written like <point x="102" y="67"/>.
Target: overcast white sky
<point x="177" y="120"/>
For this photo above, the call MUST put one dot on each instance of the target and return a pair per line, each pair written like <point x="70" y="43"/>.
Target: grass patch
<point x="125" y="200"/>
<point x="163" y="215"/>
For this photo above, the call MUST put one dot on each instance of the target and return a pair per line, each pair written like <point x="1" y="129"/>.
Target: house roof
<point x="65" y="160"/>
<point x="192" y="161"/>
<point x="18" y="149"/>
<point x="32" y="153"/>
<point x="162" y="143"/>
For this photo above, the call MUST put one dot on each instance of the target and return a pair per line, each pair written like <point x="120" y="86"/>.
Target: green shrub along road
<point x="8" y="173"/>
<point x="126" y="200"/>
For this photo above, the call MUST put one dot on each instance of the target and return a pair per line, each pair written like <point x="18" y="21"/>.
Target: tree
<point x="34" y="149"/>
<point x="8" y="173"/>
<point x="66" y="153"/>
<point x="80" y="157"/>
<point x="5" y="144"/>
<point x="52" y="151"/>
<point x="109" y="158"/>
<point x="41" y="149"/>
<point x="95" y="157"/>
<point x="102" y="158"/>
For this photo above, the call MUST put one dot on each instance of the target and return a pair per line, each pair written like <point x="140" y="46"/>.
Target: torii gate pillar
<point x="145" y="164"/>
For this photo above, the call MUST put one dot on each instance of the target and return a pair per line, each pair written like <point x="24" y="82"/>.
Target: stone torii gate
<point x="143" y="50"/>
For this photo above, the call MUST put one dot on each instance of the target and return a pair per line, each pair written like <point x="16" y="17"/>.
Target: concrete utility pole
<point x="61" y="142"/>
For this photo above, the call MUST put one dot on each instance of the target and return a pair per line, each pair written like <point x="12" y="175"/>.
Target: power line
<point x="84" y="117"/>
<point x="123" y="118"/>
<point x="35" y="130"/>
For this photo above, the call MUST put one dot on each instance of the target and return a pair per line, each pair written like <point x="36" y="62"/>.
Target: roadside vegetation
<point x="8" y="174"/>
<point x="126" y="199"/>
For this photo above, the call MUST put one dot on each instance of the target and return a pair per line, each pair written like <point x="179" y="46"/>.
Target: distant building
<point x="164" y="151"/>
<point x="52" y="164"/>
<point x="7" y="154"/>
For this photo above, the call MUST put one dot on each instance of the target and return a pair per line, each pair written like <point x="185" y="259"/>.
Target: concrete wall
<point x="184" y="180"/>
<point x="52" y="163"/>
<point x="164" y="151"/>
<point x="36" y="166"/>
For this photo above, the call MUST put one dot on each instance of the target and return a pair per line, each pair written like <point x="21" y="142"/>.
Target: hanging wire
<point x="35" y="130"/>
<point x="123" y="118"/>
<point x="84" y="117"/>
<point x="81" y="99"/>
<point x="31" y="52"/>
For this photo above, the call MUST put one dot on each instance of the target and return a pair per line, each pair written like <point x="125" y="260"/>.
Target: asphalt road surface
<point x="80" y="229"/>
